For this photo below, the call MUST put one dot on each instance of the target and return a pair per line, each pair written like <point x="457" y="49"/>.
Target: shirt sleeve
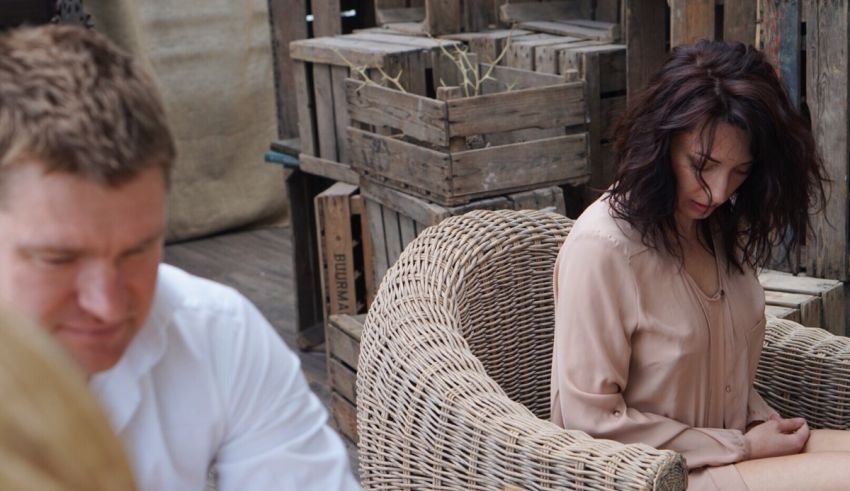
<point x="596" y="313"/>
<point x="277" y="436"/>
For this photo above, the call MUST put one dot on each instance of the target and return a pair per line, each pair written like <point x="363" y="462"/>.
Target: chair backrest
<point x="495" y="269"/>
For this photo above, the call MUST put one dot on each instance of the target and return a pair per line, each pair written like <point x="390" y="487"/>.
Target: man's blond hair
<point x="53" y="435"/>
<point x="72" y="100"/>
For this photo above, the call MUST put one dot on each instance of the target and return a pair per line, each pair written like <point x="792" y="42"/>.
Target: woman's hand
<point x="776" y="437"/>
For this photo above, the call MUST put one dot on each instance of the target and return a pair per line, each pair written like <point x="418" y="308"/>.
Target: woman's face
<point x="728" y="163"/>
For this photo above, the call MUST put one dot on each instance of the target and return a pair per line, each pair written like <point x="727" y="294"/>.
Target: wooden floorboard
<point x="258" y="263"/>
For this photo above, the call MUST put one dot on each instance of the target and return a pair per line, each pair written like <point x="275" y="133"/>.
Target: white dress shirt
<point x="207" y="382"/>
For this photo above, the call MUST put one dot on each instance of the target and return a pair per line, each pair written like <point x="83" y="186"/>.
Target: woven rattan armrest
<point x="805" y="372"/>
<point x="429" y="409"/>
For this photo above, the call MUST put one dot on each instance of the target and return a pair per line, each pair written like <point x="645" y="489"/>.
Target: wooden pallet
<point x="320" y="67"/>
<point x="432" y="154"/>
<point x="813" y="302"/>
<point x="396" y="218"/>
<point x="343" y="348"/>
<point x="345" y="251"/>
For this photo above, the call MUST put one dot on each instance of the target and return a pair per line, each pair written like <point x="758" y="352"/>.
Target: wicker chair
<point x="454" y="369"/>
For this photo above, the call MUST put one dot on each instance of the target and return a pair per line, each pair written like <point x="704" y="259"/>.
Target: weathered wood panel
<point x="645" y="31"/>
<point x="826" y="74"/>
<point x="524" y="12"/>
<point x="288" y="24"/>
<point x="739" y="21"/>
<point x="691" y="20"/>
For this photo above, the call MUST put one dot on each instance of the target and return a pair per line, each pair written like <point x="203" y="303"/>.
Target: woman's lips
<point x="92" y="333"/>
<point x="701" y="209"/>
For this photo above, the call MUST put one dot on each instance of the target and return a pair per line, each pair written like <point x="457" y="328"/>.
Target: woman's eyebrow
<point x="712" y="159"/>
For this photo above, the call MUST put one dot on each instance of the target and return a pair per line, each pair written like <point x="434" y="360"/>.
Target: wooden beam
<point x="739" y="21"/>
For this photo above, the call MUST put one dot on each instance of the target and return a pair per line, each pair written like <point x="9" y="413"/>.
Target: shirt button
<point x="616" y="412"/>
<point x="728" y="388"/>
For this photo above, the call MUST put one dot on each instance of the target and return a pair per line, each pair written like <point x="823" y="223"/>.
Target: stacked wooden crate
<point x="813" y="302"/>
<point x="343" y="342"/>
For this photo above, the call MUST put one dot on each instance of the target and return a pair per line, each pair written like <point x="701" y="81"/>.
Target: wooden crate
<point x="343" y="348"/>
<point x="454" y="149"/>
<point x="396" y="218"/>
<point x="345" y="251"/>
<point x="813" y="302"/>
<point x="320" y="67"/>
<point x="436" y="17"/>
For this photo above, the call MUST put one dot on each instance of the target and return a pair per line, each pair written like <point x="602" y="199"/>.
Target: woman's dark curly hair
<point x="699" y="87"/>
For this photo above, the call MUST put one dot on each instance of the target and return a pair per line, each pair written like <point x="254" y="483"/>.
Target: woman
<point x="659" y="312"/>
<point x="53" y="436"/>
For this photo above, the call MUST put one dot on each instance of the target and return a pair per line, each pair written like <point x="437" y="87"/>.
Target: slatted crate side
<point x="345" y="251"/>
<point x="343" y="349"/>
<point x="691" y="20"/>
<point x="432" y="160"/>
<point x="396" y="218"/>
<point x="321" y="66"/>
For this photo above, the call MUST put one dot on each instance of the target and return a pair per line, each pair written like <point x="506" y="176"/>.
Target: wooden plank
<point x="610" y="109"/>
<point x="782" y="313"/>
<point x="407" y="14"/>
<point x="325" y="119"/>
<point x="379" y="245"/>
<point x="739" y="21"/>
<point x="417" y="209"/>
<point x="333" y="219"/>
<point x="327" y="18"/>
<point x="343" y="338"/>
<point x="520" y="53"/>
<point x="419" y="117"/>
<point x="691" y="20"/>
<point x="443" y="17"/>
<point x="303" y="78"/>
<point x="346" y="51"/>
<point x="510" y="13"/>
<point x="561" y="159"/>
<point x="831" y="293"/>
<point x="546" y="58"/>
<point x="545" y="107"/>
<point x="288" y="20"/>
<point x="810" y="306"/>
<point x="328" y="168"/>
<point x="480" y="14"/>
<point x="645" y="31"/>
<point x="488" y="45"/>
<point x="607" y="10"/>
<point x="611" y="60"/>
<point x="608" y="34"/>
<point x="827" y="97"/>
<point x="590" y="69"/>
<point x="514" y="78"/>
<point x="392" y="234"/>
<point x="341" y="118"/>
<point x="342" y="380"/>
<point x="385" y="36"/>
<point x="781" y="42"/>
<point x="418" y="166"/>
<point x="345" y="417"/>
<point x="548" y="198"/>
<point x="302" y="188"/>
<point x="407" y="230"/>
<point x="358" y="206"/>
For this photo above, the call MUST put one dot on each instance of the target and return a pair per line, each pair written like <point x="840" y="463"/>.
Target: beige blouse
<point x="643" y="355"/>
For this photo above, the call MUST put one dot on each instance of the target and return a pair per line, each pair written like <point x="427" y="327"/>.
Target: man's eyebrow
<point x="712" y="159"/>
<point x="145" y="243"/>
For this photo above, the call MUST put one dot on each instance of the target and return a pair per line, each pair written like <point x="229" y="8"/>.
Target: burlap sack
<point x="213" y="61"/>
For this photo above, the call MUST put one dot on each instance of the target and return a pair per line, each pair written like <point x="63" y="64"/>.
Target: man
<point x="190" y="373"/>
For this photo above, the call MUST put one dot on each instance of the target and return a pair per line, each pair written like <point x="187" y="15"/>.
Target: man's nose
<point x="102" y="293"/>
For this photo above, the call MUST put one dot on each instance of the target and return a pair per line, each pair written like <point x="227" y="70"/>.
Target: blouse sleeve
<point x="757" y="408"/>
<point x="596" y="313"/>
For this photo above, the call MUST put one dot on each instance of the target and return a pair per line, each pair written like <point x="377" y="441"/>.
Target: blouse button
<point x="616" y="412"/>
<point x="728" y="388"/>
